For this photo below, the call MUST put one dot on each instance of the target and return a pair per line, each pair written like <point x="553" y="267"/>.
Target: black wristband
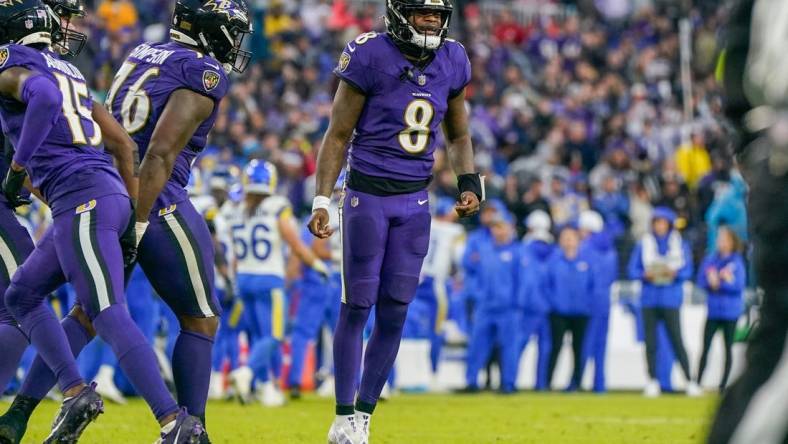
<point x="473" y="182"/>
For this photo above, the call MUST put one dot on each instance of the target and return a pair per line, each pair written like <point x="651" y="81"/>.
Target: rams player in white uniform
<point x="261" y="228"/>
<point x="447" y="239"/>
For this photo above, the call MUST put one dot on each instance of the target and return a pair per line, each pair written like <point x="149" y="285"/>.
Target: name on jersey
<point x="62" y="66"/>
<point x="151" y="55"/>
<point x="421" y="94"/>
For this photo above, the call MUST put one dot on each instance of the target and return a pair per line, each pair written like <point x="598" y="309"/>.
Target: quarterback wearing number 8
<point x="396" y="90"/>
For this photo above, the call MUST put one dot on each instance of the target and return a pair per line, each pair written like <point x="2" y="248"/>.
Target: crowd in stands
<point x="573" y="106"/>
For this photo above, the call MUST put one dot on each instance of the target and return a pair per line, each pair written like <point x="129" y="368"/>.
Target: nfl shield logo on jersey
<point x="210" y="80"/>
<point x="3" y="56"/>
<point x="422" y="80"/>
<point x="354" y="201"/>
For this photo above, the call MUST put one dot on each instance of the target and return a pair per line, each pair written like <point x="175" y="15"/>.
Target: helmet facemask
<point x="64" y="39"/>
<point x="399" y="24"/>
<point x="226" y="47"/>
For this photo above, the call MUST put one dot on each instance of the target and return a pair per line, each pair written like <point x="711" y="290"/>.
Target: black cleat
<point x="13" y="423"/>
<point x="187" y="430"/>
<point x="75" y="414"/>
<point x="12" y="427"/>
<point x="295" y="393"/>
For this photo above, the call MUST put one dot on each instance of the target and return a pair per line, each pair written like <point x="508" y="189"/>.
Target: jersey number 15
<point x="73" y="92"/>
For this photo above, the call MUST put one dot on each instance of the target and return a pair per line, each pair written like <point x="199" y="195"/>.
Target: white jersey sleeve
<point x="445" y="239"/>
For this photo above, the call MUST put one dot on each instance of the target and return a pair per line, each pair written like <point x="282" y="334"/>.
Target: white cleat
<point x="216" y="387"/>
<point x="241" y="379"/>
<point x="652" y="389"/>
<point x="271" y="396"/>
<point x="362" y="427"/>
<point x="343" y="432"/>
<point x="326" y="389"/>
<point x="694" y="390"/>
<point x="105" y="385"/>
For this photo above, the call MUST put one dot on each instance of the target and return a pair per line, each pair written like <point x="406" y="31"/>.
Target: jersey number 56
<point x="258" y="243"/>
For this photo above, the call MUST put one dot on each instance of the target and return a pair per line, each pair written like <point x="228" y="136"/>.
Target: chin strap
<point x="36" y="37"/>
<point x="183" y="38"/>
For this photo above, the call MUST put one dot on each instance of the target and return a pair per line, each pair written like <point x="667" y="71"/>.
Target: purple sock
<point x="40" y="379"/>
<point x="13" y="344"/>
<point x="191" y="368"/>
<point x="382" y="348"/>
<point x="135" y="356"/>
<point x="49" y="339"/>
<point x="348" y="345"/>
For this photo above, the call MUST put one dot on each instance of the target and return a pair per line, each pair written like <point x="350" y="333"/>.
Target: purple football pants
<point x="384" y="241"/>
<point x="15" y="246"/>
<point x="82" y="247"/>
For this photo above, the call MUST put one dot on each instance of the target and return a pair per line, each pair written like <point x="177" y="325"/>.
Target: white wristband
<point x="320" y="202"/>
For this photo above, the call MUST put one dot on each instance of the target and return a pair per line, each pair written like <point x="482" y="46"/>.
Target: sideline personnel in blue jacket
<point x="598" y="242"/>
<point x="537" y="250"/>
<point x="723" y="276"/>
<point x="497" y="314"/>
<point x="570" y="283"/>
<point x="662" y="262"/>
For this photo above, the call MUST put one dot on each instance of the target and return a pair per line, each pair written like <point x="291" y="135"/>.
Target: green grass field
<point x="456" y="419"/>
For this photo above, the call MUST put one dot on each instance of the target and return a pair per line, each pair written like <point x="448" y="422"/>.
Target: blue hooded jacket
<point x="570" y="283"/>
<point x="726" y="302"/>
<point x="534" y="261"/>
<point x="499" y="272"/>
<point x="604" y="259"/>
<point x="728" y="208"/>
<point x="471" y="261"/>
<point x="664" y="295"/>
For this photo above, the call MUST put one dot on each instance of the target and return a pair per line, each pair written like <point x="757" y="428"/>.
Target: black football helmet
<point x="217" y="27"/>
<point x="25" y="22"/>
<point x="408" y="38"/>
<point x="65" y="39"/>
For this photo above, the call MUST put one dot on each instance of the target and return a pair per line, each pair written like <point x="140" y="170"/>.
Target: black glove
<point x="128" y="243"/>
<point x="12" y="185"/>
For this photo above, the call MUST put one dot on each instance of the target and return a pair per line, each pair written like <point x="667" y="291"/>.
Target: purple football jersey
<point x="395" y="134"/>
<point x="70" y="167"/>
<point x="141" y="89"/>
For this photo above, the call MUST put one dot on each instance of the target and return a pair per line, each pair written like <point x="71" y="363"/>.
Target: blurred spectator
<point x="692" y="160"/>
<point x="727" y="209"/>
<point x="662" y="262"/>
<point x="723" y="276"/>
<point x="117" y="15"/>
<point x="613" y="204"/>
<point x="570" y="284"/>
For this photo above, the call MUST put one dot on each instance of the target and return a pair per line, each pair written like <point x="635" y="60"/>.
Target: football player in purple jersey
<point x="396" y="90"/>
<point x="49" y="116"/>
<point x="166" y="97"/>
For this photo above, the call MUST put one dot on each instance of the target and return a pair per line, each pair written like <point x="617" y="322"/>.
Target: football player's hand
<point x="468" y="204"/>
<point x="128" y="244"/>
<point x="318" y="224"/>
<point x="12" y="186"/>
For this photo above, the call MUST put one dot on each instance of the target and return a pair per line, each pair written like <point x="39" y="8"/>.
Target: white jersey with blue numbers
<point x="257" y="242"/>
<point x="446" y="245"/>
<point x="224" y="234"/>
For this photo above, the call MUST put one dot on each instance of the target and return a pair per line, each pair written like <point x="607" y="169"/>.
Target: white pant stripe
<point x="761" y="423"/>
<point x="8" y="259"/>
<point x="94" y="267"/>
<point x="192" y="264"/>
<point x="342" y="260"/>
